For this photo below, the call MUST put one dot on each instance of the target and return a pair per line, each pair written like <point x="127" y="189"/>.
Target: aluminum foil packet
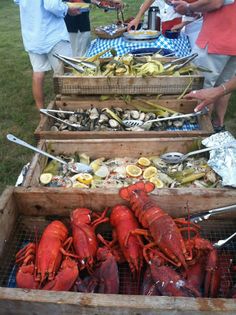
<point x="223" y="160"/>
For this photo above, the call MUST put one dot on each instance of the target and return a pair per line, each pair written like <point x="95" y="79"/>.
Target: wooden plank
<point x="47" y="201"/>
<point x="184" y="106"/>
<point x="17" y="301"/>
<point x="69" y="85"/>
<point x="8" y="213"/>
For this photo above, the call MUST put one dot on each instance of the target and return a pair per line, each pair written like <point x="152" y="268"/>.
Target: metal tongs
<point x="176" y="63"/>
<point x="48" y="112"/>
<point x="196" y="218"/>
<point x="72" y="62"/>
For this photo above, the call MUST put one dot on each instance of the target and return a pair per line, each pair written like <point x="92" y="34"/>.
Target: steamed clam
<point x="93" y="118"/>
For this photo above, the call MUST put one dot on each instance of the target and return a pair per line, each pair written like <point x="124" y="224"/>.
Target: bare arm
<point x="201" y="6"/>
<point x="209" y="96"/>
<point x="145" y="6"/>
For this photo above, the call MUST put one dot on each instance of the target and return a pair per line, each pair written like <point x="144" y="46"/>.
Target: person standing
<point x="79" y="31"/>
<point x="215" y="46"/>
<point x="44" y="33"/>
<point x="169" y="17"/>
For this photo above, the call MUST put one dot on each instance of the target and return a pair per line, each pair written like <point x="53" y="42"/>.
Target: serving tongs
<point x="74" y="167"/>
<point x="48" y="112"/>
<point x="199" y="217"/>
<point x="147" y="124"/>
<point x="73" y="65"/>
<point x="83" y="63"/>
<point x="179" y="63"/>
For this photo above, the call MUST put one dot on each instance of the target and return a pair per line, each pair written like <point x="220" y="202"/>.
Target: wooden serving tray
<point x="41" y="203"/>
<point x="73" y="103"/>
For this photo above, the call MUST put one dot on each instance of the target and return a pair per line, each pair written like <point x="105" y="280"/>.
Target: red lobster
<point x="84" y="237"/>
<point x="123" y="221"/>
<point x="162" y="227"/>
<point x="40" y="265"/>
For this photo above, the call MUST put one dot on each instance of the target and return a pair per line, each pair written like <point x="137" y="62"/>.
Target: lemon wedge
<point x="157" y="182"/>
<point x="102" y="172"/>
<point x="149" y="172"/>
<point x="45" y="178"/>
<point x="96" y="164"/>
<point x="143" y="161"/>
<point x="84" y="178"/>
<point x="133" y="170"/>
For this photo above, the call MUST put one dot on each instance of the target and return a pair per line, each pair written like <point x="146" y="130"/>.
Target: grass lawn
<point x="18" y="114"/>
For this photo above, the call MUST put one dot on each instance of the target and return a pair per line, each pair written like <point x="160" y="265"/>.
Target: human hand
<point x="133" y="25"/>
<point x="206" y="96"/>
<point x="180" y="6"/>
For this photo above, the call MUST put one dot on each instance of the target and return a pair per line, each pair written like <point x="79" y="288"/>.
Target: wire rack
<point x="26" y="227"/>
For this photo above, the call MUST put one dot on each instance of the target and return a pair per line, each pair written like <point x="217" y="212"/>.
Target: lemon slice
<point x="45" y="178"/>
<point x="149" y="172"/>
<point x="157" y="182"/>
<point x="84" y="178"/>
<point x="79" y="185"/>
<point x="102" y="172"/>
<point x="143" y="161"/>
<point x="133" y="170"/>
<point x="96" y="164"/>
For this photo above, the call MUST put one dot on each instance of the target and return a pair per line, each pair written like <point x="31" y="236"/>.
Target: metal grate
<point x="24" y="232"/>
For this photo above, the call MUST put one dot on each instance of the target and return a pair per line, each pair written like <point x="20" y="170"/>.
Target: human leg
<point x="40" y="65"/>
<point x="74" y="43"/>
<point x="61" y="48"/>
<point x="221" y="104"/>
<point x="37" y="88"/>
<point x="84" y="41"/>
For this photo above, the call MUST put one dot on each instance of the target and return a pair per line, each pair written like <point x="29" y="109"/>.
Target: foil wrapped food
<point x="223" y="160"/>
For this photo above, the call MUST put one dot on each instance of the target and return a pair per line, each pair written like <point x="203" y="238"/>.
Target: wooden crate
<point x="41" y="203"/>
<point x="76" y="85"/>
<point x="115" y="148"/>
<point x="67" y="103"/>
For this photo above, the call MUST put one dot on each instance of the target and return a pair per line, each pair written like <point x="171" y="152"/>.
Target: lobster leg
<point x="26" y="254"/>
<point x="212" y="278"/>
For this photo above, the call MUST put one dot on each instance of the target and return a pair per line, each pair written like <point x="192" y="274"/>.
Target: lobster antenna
<point x="188" y="212"/>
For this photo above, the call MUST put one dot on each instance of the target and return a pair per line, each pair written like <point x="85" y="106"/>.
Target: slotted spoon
<point x="177" y="157"/>
<point x="73" y="167"/>
<point x="147" y="124"/>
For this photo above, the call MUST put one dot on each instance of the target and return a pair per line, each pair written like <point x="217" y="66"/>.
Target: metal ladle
<point x="146" y="125"/>
<point x="177" y="157"/>
<point x="73" y="167"/>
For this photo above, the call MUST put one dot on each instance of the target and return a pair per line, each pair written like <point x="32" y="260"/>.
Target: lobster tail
<point x="126" y="192"/>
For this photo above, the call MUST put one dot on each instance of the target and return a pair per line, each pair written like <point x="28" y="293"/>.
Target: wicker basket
<point x="102" y="34"/>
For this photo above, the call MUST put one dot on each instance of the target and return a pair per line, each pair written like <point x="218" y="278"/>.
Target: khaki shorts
<point x="223" y="67"/>
<point x="46" y="62"/>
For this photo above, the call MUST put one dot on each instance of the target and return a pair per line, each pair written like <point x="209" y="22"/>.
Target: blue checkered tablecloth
<point x="180" y="46"/>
